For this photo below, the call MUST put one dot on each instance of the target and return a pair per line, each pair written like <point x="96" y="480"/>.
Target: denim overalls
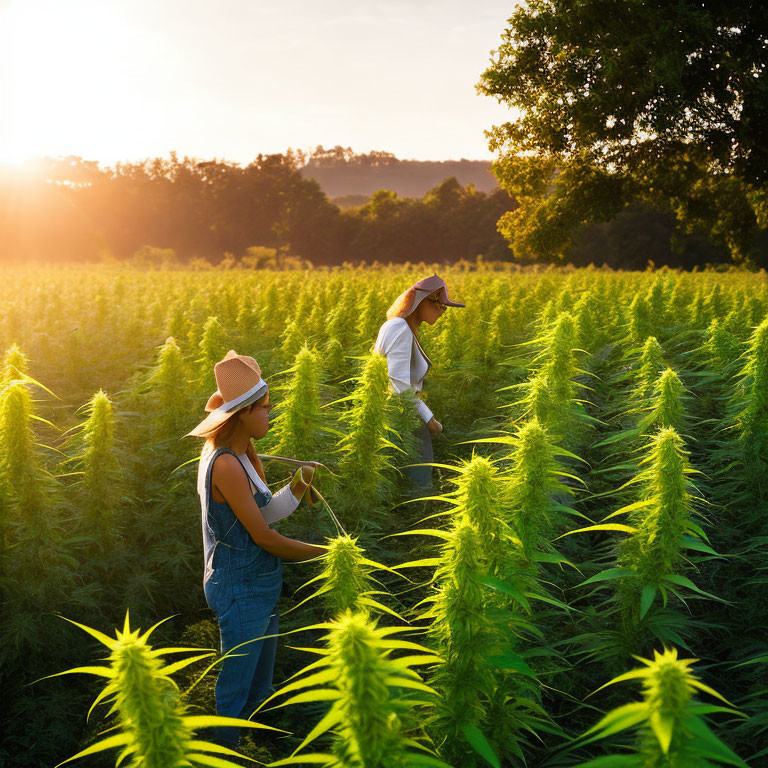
<point x="242" y="583"/>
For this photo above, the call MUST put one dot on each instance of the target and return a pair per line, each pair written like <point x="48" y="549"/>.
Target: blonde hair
<point x="402" y="306"/>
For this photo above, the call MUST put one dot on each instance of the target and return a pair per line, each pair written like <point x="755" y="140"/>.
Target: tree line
<point x="73" y="209"/>
<point x="341" y="172"/>
<point x="270" y="213"/>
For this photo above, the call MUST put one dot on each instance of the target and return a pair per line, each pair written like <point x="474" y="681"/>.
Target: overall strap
<point x="206" y="496"/>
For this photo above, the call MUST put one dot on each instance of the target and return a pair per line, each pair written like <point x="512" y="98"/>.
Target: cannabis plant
<point x="651" y="366"/>
<point x="151" y="720"/>
<point x="345" y="580"/>
<point x="99" y="472"/>
<point x="14" y="365"/>
<point x="365" y="465"/>
<point x="667" y="404"/>
<point x="662" y="526"/>
<point x="669" y="725"/>
<point x="752" y="419"/>
<point x="374" y="695"/>
<point x="297" y="427"/>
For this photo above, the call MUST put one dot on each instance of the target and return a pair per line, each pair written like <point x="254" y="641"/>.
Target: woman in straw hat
<point x="407" y="362"/>
<point x="243" y="555"/>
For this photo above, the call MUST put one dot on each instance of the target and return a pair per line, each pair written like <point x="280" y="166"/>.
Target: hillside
<point x="341" y="172"/>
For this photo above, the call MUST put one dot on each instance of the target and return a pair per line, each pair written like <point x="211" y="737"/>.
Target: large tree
<point x="615" y="102"/>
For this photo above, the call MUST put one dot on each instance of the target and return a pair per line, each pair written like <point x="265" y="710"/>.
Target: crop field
<point x="599" y="515"/>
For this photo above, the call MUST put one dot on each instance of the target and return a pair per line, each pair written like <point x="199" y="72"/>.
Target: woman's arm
<point x="229" y="478"/>
<point x="285" y="501"/>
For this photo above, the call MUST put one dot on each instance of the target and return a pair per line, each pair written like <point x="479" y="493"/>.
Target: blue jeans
<point x="245" y="679"/>
<point x="421" y="477"/>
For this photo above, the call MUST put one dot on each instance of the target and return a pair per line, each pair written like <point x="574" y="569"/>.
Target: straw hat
<point x="239" y="382"/>
<point x="427" y="287"/>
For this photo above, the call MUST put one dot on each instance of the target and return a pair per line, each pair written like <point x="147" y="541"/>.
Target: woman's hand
<point x="434" y="426"/>
<point x="308" y="472"/>
<point x="302" y="479"/>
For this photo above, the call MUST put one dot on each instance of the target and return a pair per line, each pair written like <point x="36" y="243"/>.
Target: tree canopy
<point x="617" y="102"/>
<point x="185" y="209"/>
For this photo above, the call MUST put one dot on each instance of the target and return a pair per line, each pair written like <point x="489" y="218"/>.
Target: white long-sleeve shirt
<point x="406" y="362"/>
<point x="282" y="503"/>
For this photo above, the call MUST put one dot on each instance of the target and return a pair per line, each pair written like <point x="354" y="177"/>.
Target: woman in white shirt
<point x="408" y="364"/>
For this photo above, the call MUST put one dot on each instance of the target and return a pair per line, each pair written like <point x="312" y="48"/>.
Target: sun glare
<point x="62" y="75"/>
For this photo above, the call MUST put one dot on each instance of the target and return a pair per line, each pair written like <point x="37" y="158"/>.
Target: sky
<point x="112" y="80"/>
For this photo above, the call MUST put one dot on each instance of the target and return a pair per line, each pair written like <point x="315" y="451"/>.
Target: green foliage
<point x="669" y="724"/>
<point x="642" y="324"/>
<point x="715" y="303"/>
<point x="664" y="515"/>
<point x="345" y="579"/>
<point x="651" y="365"/>
<point x="163" y="395"/>
<point x="752" y="420"/>
<point x="335" y="358"/>
<point x="589" y="135"/>
<point x="662" y="525"/>
<point x="14" y="365"/>
<point x="501" y="333"/>
<point x="343" y="319"/>
<point x="481" y="500"/>
<point x="470" y="627"/>
<point x="551" y="391"/>
<point x="588" y="336"/>
<point x="721" y="347"/>
<point x="268" y="308"/>
<point x="667" y="406"/>
<point x="370" y="318"/>
<point x="698" y="317"/>
<point x="504" y="491"/>
<point x="36" y="572"/>
<point x="297" y="426"/>
<point x="464" y="637"/>
<point x="213" y="347"/>
<point x="177" y="322"/>
<point x="345" y="576"/>
<point x="100" y="472"/>
<point x="21" y="477"/>
<point x="534" y="484"/>
<point x="402" y="423"/>
<point x="372" y="717"/>
<point x="451" y="348"/>
<point x="153" y="728"/>
<point x="364" y="462"/>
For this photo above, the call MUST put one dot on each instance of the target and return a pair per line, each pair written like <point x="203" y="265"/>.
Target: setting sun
<point x="63" y="82"/>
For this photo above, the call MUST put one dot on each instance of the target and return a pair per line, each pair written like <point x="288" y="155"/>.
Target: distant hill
<point x="343" y="174"/>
